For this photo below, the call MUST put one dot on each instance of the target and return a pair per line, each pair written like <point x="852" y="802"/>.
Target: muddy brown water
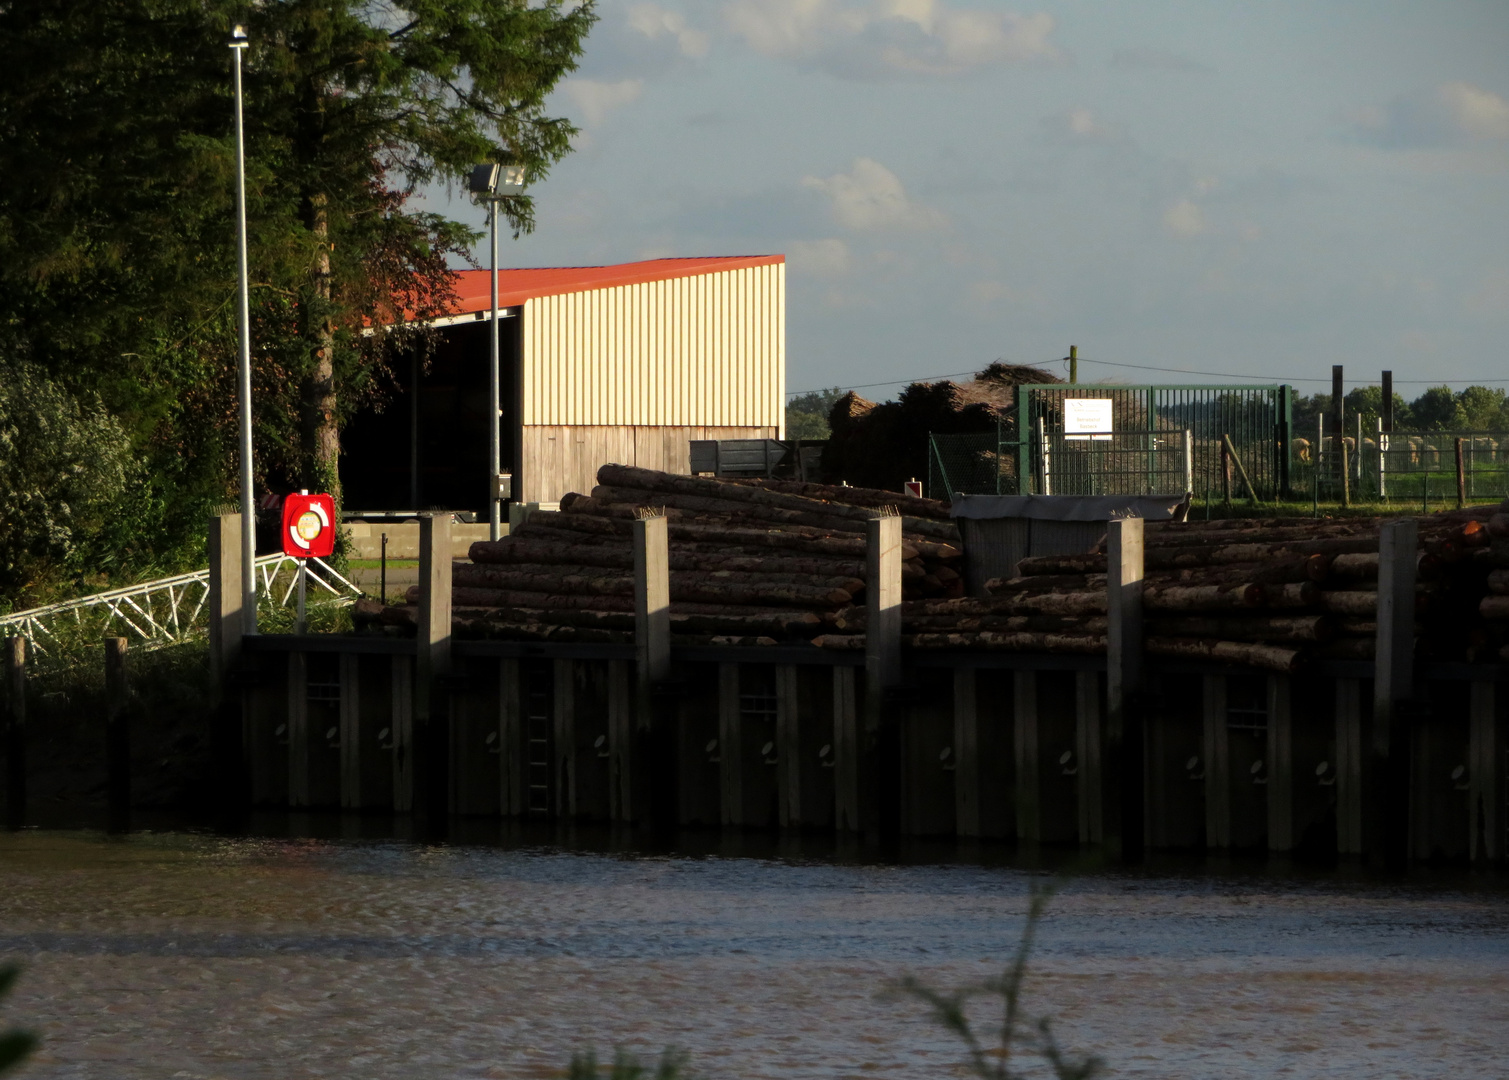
<point x="176" y="954"/>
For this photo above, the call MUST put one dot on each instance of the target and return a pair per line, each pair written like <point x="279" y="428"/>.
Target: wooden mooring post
<point x="882" y="673"/>
<point x="225" y="616"/>
<point x="15" y="732"/>
<point x="432" y="668"/>
<point x="1388" y="774"/>
<point x="117" y="735"/>
<point x="634" y="756"/>
<point x="1125" y="704"/>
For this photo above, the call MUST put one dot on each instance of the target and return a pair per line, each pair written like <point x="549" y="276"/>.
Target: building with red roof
<point x="625" y="363"/>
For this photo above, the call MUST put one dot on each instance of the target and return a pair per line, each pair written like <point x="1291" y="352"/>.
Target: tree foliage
<point x="117" y="241"/>
<point x="807" y="414"/>
<point x="65" y="464"/>
<point x="1477" y="408"/>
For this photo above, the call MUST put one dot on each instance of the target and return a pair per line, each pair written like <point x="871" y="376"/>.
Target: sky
<point x="1235" y="191"/>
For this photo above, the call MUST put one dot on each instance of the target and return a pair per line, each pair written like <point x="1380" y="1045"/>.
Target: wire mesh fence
<point x="1418" y="467"/>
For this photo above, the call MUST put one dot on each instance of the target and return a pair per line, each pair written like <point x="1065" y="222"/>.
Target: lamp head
<point x="238" y="37"/>
<point x="483" y="179"/>
<point x="491" y="181"/>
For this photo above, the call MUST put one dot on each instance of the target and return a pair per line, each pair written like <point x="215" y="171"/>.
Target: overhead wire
<point x="1148" y="367"/>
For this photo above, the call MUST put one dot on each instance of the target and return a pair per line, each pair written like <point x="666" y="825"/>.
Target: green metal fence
<point x="1160" y="439"/>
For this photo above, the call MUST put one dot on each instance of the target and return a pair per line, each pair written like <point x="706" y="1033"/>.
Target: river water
<point x="176" y="954"/>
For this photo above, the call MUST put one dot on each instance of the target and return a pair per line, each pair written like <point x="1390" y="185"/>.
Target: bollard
<point x="15" y="732"/>
<point x="1124" y="696"/>
<point x="117" y="736"/>
<point x="432" y="664"/>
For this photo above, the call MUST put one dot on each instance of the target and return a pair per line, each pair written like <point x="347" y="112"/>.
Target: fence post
<point x="117" y="735"/>
<point x="15" y="732"/>
<point x="1461" y="477"/>
<point x="1393" y="686"/>
<point x="224" y="602"/>
<point x="432" y="664"/>
<point x="1124" y="706"/>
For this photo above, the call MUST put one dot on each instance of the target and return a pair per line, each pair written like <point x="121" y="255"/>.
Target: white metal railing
<point x="167" y="610"/>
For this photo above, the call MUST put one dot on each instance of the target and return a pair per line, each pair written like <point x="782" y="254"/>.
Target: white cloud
<point x="1479" y="113"/>
<point x="829" y="257"/>
<point x="597" y="99"/>
<point x="1156" y="60"/>
<point x="869" y="196"/>
<point x="1491" y="297"/>
<point x="1455" y="112"/>
<point x="880" y="38"/>
<point x="655" y="22"/>
<point x="1185" y="219"/>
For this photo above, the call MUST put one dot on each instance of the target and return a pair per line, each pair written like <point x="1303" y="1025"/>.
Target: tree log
<point x="1246" y="653"/>
<point x="621" y="556"/>
<point x="1048" y="565"/>
<point x="1348" y="648"/>
<point x="622" y="479"/>
<point x="1349" y="603"/>
<point x="1272" y="628"/>
<point x="1300" y="594"/>
<point x="868" y="497"/>
<point x="1009" y="642"/>
<point x="1202" y="597"/>
<point x="1498" y="527"/>
<point x="841" y="642"/>
<point x="1494" y="607"/>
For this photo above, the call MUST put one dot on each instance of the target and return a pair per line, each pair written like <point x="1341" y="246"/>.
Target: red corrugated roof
<point x="474" y="290"/>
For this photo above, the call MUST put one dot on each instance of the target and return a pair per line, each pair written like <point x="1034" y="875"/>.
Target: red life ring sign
<point x="309" y="526"/>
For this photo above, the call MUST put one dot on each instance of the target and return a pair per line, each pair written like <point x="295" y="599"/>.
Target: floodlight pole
<point x="238" y="45"/>
<point x="494" y="391"/>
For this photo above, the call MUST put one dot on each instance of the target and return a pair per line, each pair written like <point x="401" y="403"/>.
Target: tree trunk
<point x="318" y="432"/>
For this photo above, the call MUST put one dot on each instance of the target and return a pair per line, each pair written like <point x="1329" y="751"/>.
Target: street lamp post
<point x="238" y="43"/>
<point x="492" y="183"/>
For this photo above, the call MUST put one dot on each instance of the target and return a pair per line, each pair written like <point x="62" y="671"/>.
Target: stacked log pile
<point x="776" y="561"/>
<point x="751" y="562"/>
<point x="1275" y="593"/>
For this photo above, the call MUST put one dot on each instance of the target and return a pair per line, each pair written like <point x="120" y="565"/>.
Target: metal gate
<point x="1161" y="440"/>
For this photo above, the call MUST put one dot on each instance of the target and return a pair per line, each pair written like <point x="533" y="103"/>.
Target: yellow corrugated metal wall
<point x="701" y="351"/>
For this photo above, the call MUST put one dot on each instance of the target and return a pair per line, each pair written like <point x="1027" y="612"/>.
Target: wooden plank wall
<point x="565" y="458"/>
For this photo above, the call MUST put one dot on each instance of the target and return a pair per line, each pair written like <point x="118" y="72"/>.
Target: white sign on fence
<point x="1087" y="418"/>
